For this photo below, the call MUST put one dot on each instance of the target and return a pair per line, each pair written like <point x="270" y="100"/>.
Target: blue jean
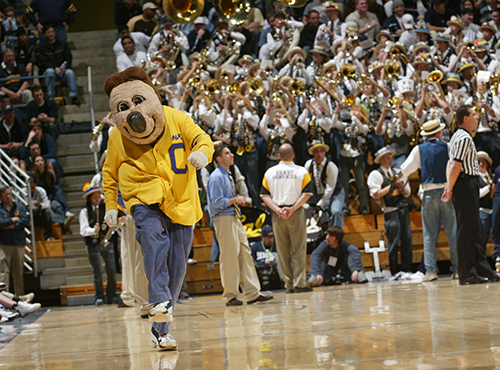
<point x="398" y="229"/>
<point x="59" y="196"/>
<point x="435" y="212"/>
<point x="95" y="252"/>
<point x="358" y="166"/>
<point x="336" y="206"/>
<point x="486" y="219"/>
<point x="69" y="78"/>
<point x="165" y="248"/>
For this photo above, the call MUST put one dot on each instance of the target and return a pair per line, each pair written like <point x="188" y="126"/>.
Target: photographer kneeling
<point x="335" y="261"/>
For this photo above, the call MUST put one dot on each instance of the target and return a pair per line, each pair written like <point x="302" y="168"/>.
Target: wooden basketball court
<point x="385" y="325"/>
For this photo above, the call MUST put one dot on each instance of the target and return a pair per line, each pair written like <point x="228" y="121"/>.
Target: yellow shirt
<point x="160" y="174"/>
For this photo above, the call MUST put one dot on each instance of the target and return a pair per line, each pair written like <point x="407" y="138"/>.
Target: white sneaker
<point x="162" y="341"/>
<point x="161" y="312"/>
<point x="3" y="319"/>
<point x="191" y="261"/>
<point x="27" y="297"/>
<point x="9" y="315"/>
<point x="430" y="276"/>
<point x="25" y="308"/>
<point x="69" y="214"/>
<point x="417" y="275"/>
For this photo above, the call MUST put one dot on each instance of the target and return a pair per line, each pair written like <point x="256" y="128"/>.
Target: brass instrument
<point x="212" y="87"/>
<point x="494" y="82"/>
<point x="233" y="11"/>
<point x="348" y="101"/>
<point x="278" y="97"/>
<point x="347" y="72"/>
<point x="470" y="46"/>
<point x="225" y="76"/>
<point x="98" y="128"/>
<point x="318" y="81"/>
<point x="296" y="86"/>
<point x="294" y="3"/>
<point x="361" y="79"/>
<point x="391" y="69"/>
<point x="233" y="88"/>
<point x="256" y="88"/>
<point x="435" y="78"/>
<point x="393" y="102"/>
<point x="183" y="11"/>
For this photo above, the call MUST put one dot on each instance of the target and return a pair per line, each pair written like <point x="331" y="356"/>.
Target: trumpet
<point x="212" y="88"/>
<point x="296" y="86"/>
<point x="347" y="72"/>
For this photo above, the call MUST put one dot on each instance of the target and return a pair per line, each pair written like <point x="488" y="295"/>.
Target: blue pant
<point x="69" y="77"/>
<point x="165" y="249"/>
<point x="336" y="206"/>
<point x="435" y="212"/>
<point x="95" y="252"/>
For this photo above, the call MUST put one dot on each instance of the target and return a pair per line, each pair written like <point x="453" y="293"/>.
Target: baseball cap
<point x="267" y="230"/>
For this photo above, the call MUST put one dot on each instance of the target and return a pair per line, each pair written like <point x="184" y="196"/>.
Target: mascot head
<point x="135" y="105"/>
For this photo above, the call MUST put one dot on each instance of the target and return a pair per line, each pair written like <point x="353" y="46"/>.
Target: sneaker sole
<point x="170" y="347"/>
<point x="160" y="317"/>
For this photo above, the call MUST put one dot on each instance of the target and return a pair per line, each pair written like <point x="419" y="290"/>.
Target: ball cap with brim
<point x="7" y="108"/>
<point x="465" y="66"/>
<point x="453" y="77"/>
<point x="89" y="188"/>
<point x="201" y="20"/>
<point x="488" y="27"/>
<point x="165" y="21"/>
<point x="381" y="152"/>
<point x="330" y="5"/>
<point x="295" y="50"/>
<point x="485" y="156"/>
<point x="149" y="6"/>
<point x="245" y="58"/>
<point x="432" y="127"/>
<point x="384" y="33"/>
<point x="456" y="21"/>
<point x="318" y="144"/>
<point x="267" y="230"/>
<point x="408" y="21"/>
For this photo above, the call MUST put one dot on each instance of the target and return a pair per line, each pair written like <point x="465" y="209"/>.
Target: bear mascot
<point x="153" y="157"/>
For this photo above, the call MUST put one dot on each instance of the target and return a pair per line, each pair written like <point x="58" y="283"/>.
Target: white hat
<point x="406" y="85"/>
<point x="151" y="6"/>
<point x="201" y="20"/>
<point x="381" y="152"/>
<point x="408" y="21"/>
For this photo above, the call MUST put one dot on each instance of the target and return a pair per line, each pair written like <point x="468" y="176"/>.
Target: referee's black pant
<point x="471" y="257"/>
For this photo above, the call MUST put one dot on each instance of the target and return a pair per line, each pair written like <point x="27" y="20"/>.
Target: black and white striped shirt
<point x="463" y="150"/>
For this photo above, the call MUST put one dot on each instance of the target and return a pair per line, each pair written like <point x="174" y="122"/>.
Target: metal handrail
<point x="18" y="184"/>
<point x="92" y="115"/>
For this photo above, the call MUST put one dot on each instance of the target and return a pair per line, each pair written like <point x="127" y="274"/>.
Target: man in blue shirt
<point x="236" y="263"/>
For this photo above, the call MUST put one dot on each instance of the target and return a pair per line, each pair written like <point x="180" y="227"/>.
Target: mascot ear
<point x="130" y="74"/>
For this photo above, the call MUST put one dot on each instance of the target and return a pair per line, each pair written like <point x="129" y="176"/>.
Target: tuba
<point x="234" y="12"/>
<point x="183" y="11"/>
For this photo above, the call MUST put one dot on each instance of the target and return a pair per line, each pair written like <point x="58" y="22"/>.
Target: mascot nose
<point x="136" y="122"/>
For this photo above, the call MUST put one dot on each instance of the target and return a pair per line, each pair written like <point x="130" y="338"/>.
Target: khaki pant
<point x="134" y="280"/>
<point x="236" y="262"/>
<point x="13" y="261"/>
<point x="291" y="244"/>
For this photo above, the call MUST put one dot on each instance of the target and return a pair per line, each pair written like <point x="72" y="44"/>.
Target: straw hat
<point x="245" y="58"/>
<point x="159" y="58"/>
<point x="381" y="152"/>
<point x="89" y="189"/>
<point x="456" y="21"/>
<point x="453" y="77"/>
<point x="318" y="49"/>
<point x="465" y="66"/>
<point x="419" y="60"/>
<point x="330" y="5"/>
<point x="253" y="67"/>
<point x="318" y="144"/>
<point x="488" y="27"/>
<point x="384" y="33"/>
<point x="432" y="127"/>
<point x="443" y="37"/>
<point x="485" y="156"/>
<point x="295" y="50"/>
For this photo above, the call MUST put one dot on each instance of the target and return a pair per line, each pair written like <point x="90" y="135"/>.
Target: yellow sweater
<point x="160" y="174"/>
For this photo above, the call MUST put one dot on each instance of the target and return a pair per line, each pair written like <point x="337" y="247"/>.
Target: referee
<point x="463" y="188"/>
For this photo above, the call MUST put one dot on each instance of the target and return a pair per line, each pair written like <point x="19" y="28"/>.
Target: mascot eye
<point x="122" y="107"/>
<point x="137" y="100"/>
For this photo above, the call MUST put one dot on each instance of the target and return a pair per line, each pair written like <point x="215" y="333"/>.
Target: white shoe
<point x="430" y="276"/>
<point x="69" y="214"/>
<point x="25" y="308"/>
<point x="27" y="297"/>
<point x="417" y="275"/>
<point x="9" y="315"/>
<point x="162" y="341"/>
<point x="3" y="319"/>
<point x="161" y="312"/>
<point x="191" y="261"/>
<point x="454" y="276"/>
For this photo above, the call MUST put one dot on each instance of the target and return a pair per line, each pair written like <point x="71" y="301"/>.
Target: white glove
<point x="198" y="159"/>
<point x="111" y="217"/>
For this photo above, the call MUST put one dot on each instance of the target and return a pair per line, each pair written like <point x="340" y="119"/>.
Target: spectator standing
<point x="18" y="90"/>
<point x="12" y="133"/>
<point x="124" y="10"/>
<point x="93" y="229"/>
<point x="236" y="263"/>
<point x="285" y="189"/>
<point x="335" y="260"/>
<point x="432" y="157"/>
<point x="13" y="220"/>
<point x="438" y="15"/>
<point x="58" y="14"/>
<point x="463" y="188"/>
<point x="45" y="111"/>
<point x="146" y="22"/>
<point x="55" y="62"/>
<point x="308" y="34"/>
